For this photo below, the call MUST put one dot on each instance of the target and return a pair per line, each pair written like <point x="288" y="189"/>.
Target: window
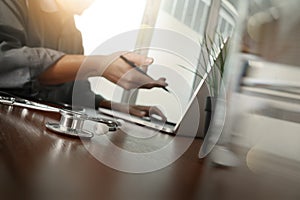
<point x="179" y="9"/>
<point x="226" y="21"/>
<point x="192" y="13"/>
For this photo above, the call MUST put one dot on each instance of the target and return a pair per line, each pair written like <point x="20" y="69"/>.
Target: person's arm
<point x="67" y="67"/>
<point x="64" y="70"/>
<point x="19" y="63"/>
<point x="71" y="67"/>
<point x="23" y="64"/>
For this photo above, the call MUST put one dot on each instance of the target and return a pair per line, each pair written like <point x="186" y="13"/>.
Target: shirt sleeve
<point x="20" y="64"/>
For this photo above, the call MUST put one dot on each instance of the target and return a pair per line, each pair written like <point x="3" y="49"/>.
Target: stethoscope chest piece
<point x="71" y="124"/>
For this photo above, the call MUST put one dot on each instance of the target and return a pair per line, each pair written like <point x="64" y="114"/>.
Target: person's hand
<point x="136" y="110"/>
<point x="126" y="76"/>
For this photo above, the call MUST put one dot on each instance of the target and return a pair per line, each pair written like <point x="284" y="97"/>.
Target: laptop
<point x="153" y="122"/>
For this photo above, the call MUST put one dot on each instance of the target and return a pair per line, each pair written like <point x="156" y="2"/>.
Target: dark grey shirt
<point x="32" y="40"/>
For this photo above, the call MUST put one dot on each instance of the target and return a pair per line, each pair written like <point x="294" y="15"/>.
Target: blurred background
<point x="262" y="94"/>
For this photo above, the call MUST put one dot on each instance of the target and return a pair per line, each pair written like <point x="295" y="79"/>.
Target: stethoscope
<point x="71" y="122"/>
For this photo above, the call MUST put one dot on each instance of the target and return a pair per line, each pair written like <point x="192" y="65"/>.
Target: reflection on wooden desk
<point x="38" y="164"/>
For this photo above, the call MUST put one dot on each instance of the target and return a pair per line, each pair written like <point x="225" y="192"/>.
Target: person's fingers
<point x="144" y="68"/>
<point x="138" y="59"/>
<point x="144" y="81"/>
<point x="126" y="76"/>
<point x="136" y="79"/>
<point x="156" y="111"/>
<point x="152" y="84"/>
<point x="162" y="82"/>
<point x="150" y="111"/>
<point x="137" y="112"/>
<point x="162" y="79"/>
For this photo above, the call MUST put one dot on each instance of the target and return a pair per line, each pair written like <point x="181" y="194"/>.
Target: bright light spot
<point x="105" y="19"/>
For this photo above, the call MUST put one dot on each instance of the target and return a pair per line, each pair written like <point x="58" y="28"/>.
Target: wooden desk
<point x="43" y="165"/>
<point x="36" y="164"/>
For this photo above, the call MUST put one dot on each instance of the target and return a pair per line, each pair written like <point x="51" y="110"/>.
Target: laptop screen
<point x="176" y="59"/>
